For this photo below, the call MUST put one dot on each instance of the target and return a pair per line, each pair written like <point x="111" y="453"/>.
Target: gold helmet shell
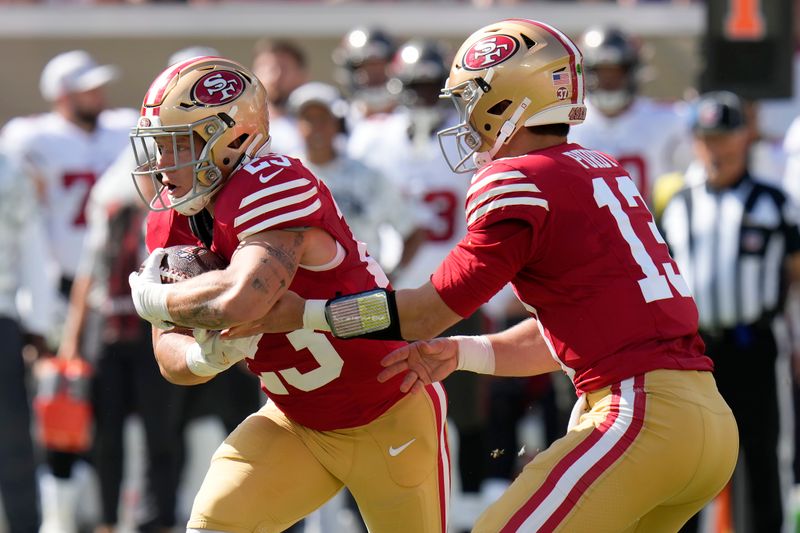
<point x="508" y="75"/>
<point x="215" y="99"/>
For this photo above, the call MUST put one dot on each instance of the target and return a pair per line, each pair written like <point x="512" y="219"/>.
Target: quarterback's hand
<point x="424" y="362"/>
<point x="215" y="354"/>
<point x="149" y="296"/>
<point x="285" y="316"/>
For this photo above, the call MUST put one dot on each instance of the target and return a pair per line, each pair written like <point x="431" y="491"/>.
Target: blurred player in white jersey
<point x="65" y="151"/>
<point x="68" y="148"/>
<point x="648" y="138"/>
<point x="369" y="201"/>
<point x="403" y="145"/>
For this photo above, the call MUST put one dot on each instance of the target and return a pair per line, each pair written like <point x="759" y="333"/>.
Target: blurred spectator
<point x="649" y="139"/>
<point x="281" y="67"/>
<point x="65" y="151"/>
<point x="189" y="52"/>
<point x="22" y="268"/>
<point x="362" y="60"/>
<point x="405" y="147"/>
<point x="368" y="200"/>
<point x="733" y="237"/>
<point x="126" y="379"/>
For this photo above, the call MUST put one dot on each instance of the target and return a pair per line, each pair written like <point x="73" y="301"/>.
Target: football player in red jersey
<point x="203" y="137"/>
<point x="650" y="440"/>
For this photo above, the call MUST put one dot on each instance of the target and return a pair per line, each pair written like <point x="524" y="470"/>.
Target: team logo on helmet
<point x="489" y="51"/>
<point x="218" y="87"/>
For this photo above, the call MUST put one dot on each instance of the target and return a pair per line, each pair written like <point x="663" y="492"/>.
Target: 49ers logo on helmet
<point x="218" y="87"/>
<point x="489" y="51"/>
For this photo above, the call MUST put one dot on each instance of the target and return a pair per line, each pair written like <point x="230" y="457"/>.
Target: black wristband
<point x="368" y="315"/>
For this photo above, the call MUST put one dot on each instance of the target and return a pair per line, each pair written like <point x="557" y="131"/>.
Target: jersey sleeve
<point x="501" y="193"/>
<point x="271" y="193"/>
<point x="482" y="263"/>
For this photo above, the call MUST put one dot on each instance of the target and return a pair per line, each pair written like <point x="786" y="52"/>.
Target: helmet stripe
<point x="159" y="86"/>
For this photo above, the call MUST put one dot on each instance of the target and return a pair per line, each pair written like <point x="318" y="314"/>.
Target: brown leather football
<point x="186" y="261"/>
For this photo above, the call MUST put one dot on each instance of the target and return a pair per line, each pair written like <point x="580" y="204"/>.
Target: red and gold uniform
<point x="568" y="228"/>
<point x="329" y="422"/>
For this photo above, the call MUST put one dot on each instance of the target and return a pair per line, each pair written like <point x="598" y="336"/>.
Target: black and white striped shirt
<point x="731" y="245"/>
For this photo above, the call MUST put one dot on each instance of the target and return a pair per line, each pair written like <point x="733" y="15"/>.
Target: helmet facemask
<point x="463" y="136"/>
<point x="465" y="96"/>
<point x="207" y="177"/>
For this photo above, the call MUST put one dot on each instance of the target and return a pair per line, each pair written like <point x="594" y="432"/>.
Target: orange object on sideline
<point x="724" y="518"/>
<point x="62" y="406"/>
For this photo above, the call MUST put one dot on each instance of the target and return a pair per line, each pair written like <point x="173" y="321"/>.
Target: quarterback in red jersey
<point x="203" y="137"/>
<point x="650" y="440"/>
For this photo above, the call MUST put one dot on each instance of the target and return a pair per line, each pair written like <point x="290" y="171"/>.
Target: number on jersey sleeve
<point x="654" y="286"/>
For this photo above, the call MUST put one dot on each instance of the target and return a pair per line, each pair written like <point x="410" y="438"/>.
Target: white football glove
<point x="149" y="295"/>
<point x="211" y="354"/>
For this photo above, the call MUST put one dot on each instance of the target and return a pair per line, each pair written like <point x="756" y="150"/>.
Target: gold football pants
<point x="271" y="472"/>
<point x="645" y="456"/>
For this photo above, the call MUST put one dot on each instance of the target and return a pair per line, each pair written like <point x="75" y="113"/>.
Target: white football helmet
<point x="506" y="76"/>
<point x="216" y="99"/>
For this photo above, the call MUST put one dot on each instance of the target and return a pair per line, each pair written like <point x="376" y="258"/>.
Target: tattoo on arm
<point x="276" y="270"/>
<point x="206" y="314"/>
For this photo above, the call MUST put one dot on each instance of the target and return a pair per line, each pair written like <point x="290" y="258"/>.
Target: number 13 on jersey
<point x="654" y="286"/>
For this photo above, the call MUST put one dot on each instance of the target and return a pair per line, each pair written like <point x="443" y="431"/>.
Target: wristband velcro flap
<point x="358" y="314"/>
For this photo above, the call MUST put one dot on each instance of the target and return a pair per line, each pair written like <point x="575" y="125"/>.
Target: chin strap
<point x="506" y="131"/>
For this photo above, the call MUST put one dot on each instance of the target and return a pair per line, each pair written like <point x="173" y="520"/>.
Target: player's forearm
<point x="76" y="316"/>
<point x="221" y="299"/>
<point x="423" y="314"/>
<point x="206" y="301"/>
<point x="170" y="351"/>
<point x="521" y="351"/>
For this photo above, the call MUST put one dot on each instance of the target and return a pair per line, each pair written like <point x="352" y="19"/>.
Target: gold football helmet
<point x="505" y="76"/>
<point x="215" y="99"/>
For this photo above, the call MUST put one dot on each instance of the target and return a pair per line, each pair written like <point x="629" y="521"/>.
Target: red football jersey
<point x="318" y="380"/>
<point x="568" y="228"/>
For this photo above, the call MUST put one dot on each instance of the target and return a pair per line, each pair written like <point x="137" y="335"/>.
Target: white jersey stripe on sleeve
<point x="274" y="221"/>
<point x="272" y="206"/>
<point x="497" y="204"/>
<point x="498" y="191"/>
<point x="493" y="177"/>
<point x="250" y="198"/>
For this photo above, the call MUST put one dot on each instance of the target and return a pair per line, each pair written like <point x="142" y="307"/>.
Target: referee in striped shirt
<point x="737" y="244"/>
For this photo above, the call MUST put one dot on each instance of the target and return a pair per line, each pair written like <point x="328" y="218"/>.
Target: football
<point x="186" y="261"/>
